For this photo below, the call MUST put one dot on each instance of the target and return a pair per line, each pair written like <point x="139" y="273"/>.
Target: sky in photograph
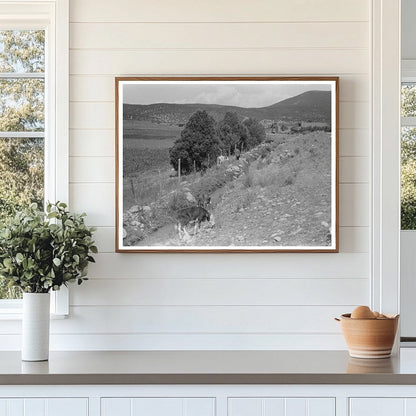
<point x="234" y="94"/>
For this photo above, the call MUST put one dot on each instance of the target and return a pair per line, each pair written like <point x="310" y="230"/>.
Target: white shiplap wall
<point x="218" y="301"/>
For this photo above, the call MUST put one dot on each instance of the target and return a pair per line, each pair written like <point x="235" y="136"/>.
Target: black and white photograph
<point x="227" y="164"/>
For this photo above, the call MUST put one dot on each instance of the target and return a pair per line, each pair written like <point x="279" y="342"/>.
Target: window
<point x="22" y="124"/>
<point x="408" y="155"/>
<point x="33" y="112"/>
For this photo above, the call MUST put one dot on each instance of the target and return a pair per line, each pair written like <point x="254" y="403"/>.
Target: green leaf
<point x="37" y="255"/>
<point x="69" y="223"/>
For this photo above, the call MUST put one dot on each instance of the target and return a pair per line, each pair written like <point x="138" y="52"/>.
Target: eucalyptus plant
<point x="42" y="251"/>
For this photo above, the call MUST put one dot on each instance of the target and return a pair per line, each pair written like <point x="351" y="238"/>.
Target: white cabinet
<point x="281" y="406"/>
<point x="44" y="407"/>
<point x="208" y="400"/>
<point x="382" y="406"/>
<point x="146" y="406"/>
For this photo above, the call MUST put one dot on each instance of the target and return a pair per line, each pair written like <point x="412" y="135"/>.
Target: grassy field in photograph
<point x="146" y="160"/>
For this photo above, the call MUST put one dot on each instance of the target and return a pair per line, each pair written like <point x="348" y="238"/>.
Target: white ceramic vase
<point x="35" y="326"/>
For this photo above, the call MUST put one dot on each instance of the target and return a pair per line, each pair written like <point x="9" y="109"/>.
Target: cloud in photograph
<point x="252" y="95"/>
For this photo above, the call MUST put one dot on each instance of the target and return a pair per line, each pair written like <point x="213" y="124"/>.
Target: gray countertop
<point x="207" y="367"/>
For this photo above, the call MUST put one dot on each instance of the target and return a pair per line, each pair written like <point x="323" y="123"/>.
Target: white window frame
<point x="53" y="17"/>
<point x="408" y="237"/>
<point x="385" y="150"/>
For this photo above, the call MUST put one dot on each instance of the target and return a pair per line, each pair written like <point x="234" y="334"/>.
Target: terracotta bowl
<point x="369" y="338"/>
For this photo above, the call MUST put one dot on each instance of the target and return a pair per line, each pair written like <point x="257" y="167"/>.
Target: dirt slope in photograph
<point x="278" y="194"/>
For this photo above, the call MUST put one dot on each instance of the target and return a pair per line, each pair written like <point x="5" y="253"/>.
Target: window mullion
<point x="22" y="75"/>
<point x="22" y="134"/>
<point x="408" y="121"/>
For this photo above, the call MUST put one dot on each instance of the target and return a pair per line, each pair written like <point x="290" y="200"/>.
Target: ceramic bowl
<point x="369" y="338"/>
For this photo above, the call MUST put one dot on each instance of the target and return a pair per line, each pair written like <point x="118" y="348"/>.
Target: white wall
<point x="218" y="301"/>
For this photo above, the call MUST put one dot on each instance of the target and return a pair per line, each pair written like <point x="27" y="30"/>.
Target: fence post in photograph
<point x="179" y="170"/>
<point x="132" y="188"/>
<point x="160" y="182"/>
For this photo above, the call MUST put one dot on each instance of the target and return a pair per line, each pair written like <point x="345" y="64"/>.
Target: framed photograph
<point x="227" y="164"/>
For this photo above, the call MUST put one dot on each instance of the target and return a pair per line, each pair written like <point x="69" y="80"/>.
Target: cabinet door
<point x="382" y="407"/>
<point x="44" y="407"/>
<point x="268" y="406"/>
<point x="160" y="406"/>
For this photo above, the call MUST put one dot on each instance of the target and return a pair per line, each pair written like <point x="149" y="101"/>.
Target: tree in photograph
<point x="230" y="132"/>
<point x="198" y="144"/>
<point x="256" y="132"/>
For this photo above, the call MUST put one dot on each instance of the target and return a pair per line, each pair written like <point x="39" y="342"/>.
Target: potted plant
<point x="40" y="252"/>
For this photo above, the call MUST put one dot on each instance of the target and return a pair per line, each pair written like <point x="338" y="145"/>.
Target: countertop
<point x="207" y="367"/>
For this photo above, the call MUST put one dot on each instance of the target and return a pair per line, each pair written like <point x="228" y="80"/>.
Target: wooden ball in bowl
<point x="362" y="312"/>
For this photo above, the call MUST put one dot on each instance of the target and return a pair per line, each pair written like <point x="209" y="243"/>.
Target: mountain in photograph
<point x="314" y="106"/>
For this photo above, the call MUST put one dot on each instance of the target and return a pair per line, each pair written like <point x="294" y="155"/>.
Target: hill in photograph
<point x="312" y="106"/>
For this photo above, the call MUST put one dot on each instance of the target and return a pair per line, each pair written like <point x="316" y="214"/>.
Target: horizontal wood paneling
<point x="98" y="88"/>
<point x="201" y="319"/>
<point x="205" y="266"/>
<point x="89" y="169"/>
<point x="299" y="37"/>
<point x="92" y="88"/>
<point x="94" y="143"/>
<point x="354" y="208"/>
<point x="92" y="115"/>
<point x="194" y="320"/>
<point x="219" y="62"/>
<point x="218" y="35"/>
<point x="96" y="199"/>
<point x="354" y="142"/>
<point x="218" y="11"/>
<point x="354" y="170"/>
<point x="104" y="238"/>
<point x="352" y="239"/>
<point x="351" y="114"/>
<point x="146" y="342"/>
<point x="354" y="115"/>
<point x="220" y="291"/>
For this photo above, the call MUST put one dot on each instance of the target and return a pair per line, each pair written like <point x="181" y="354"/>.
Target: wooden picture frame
<point x="227" y="164"/>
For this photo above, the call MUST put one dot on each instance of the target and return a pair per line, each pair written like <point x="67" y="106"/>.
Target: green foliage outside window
<point x="21" y="110"/>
